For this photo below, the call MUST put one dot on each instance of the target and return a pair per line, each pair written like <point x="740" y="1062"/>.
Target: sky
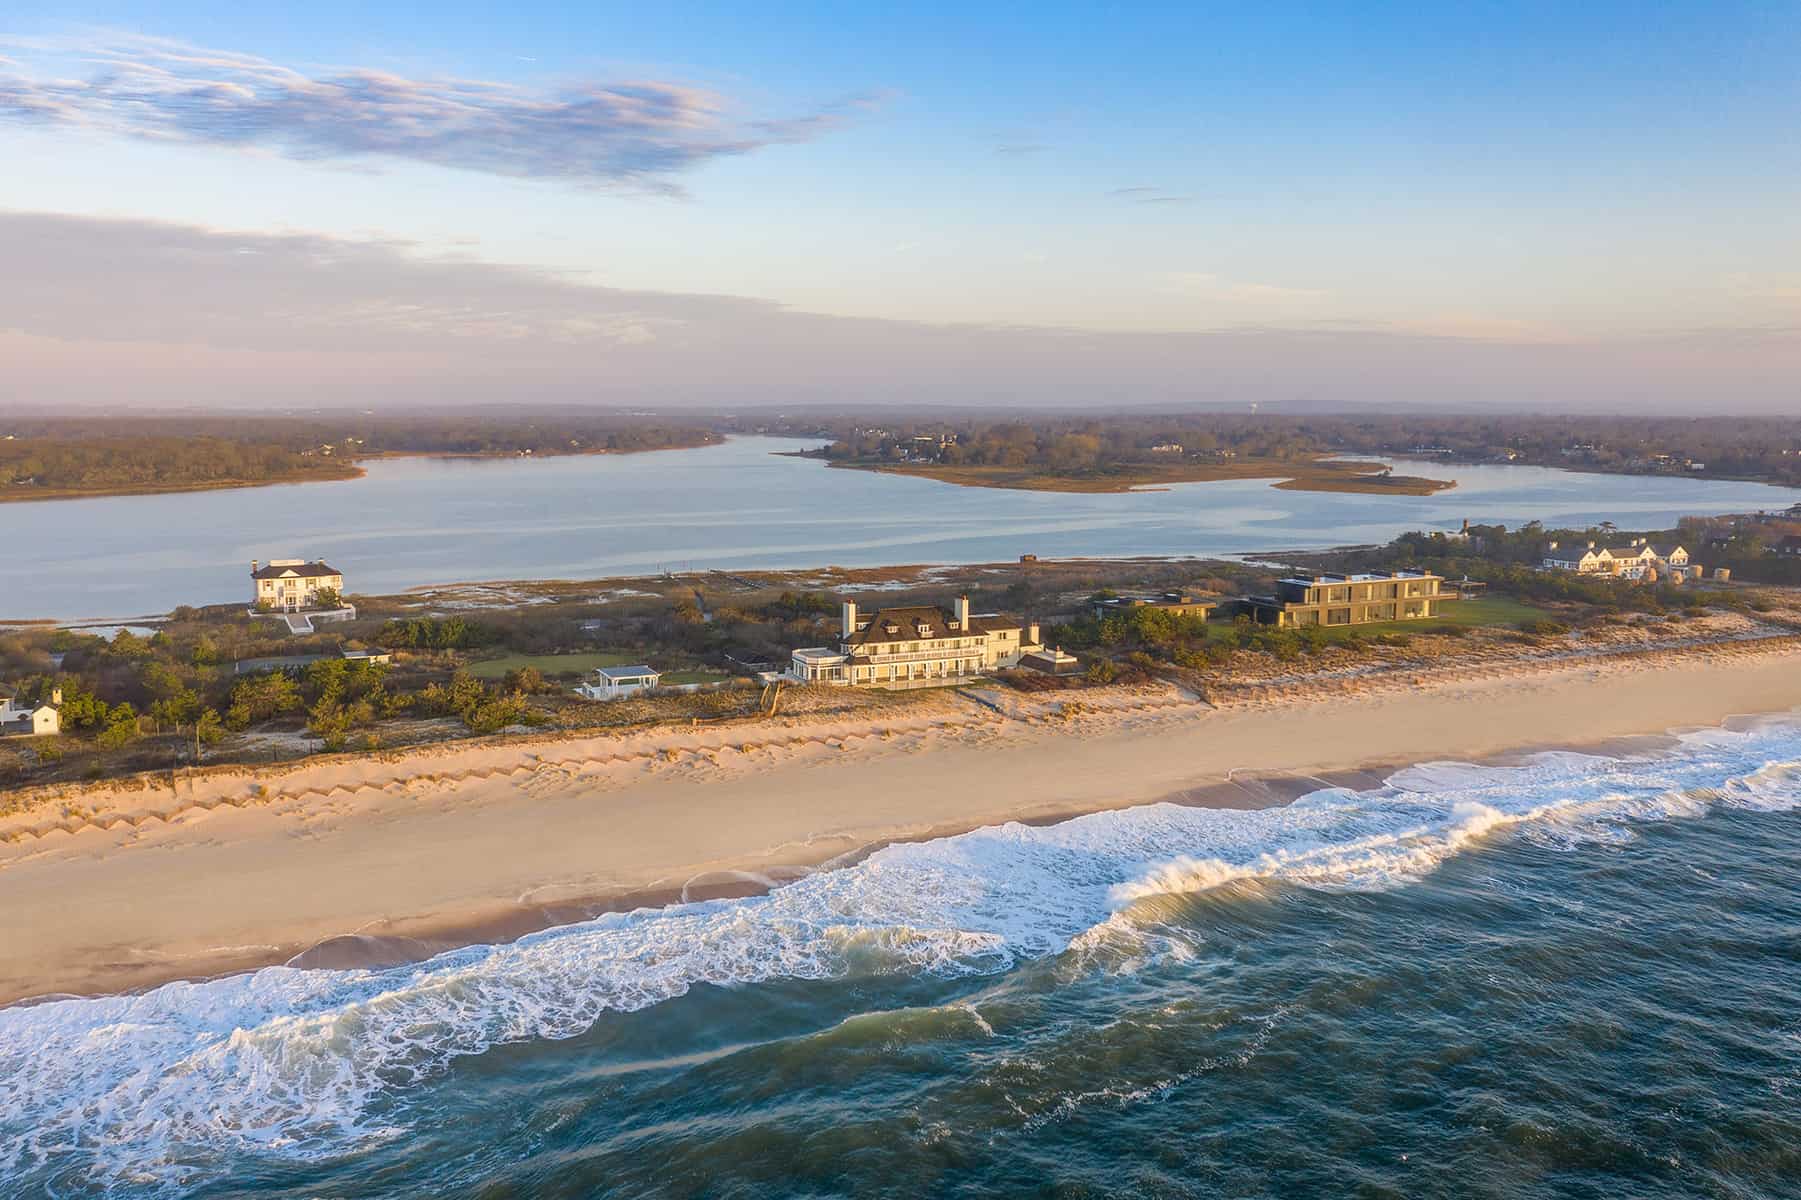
<point x="1544" y="206"/>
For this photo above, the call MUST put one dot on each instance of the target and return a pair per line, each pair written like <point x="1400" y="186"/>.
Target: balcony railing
<point x="969" y="655"/>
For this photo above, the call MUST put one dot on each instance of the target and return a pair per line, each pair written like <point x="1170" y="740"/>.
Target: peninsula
<point x="1322" y="474"/>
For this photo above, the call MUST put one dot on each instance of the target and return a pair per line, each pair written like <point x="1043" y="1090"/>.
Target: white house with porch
<point x="916" y="646"/>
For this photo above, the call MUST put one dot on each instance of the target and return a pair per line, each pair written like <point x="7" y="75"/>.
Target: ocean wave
<point x="159" y="1090"/>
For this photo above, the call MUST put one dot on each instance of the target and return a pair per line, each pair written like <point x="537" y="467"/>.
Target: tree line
<point x="121" y="454"/>
<point x="1759" y="448"/>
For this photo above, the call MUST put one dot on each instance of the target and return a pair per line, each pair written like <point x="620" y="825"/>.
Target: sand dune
<point x="359" y="857"/>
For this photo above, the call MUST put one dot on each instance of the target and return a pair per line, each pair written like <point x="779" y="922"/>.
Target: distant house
<point x="1173" y="602"/>
<point x="1790" y="545"/>
<point x="276" y="662"/>
<point x="374" y="654"/>
<point x="916" y="646"/>
<point x="618" y="683"/>
<point x="1583" y="560"/>
<point x="1167" y="448"/>
<point x="292" y="584"/>
<point x="1634" y="560"/>
<point x="31" y="720"/>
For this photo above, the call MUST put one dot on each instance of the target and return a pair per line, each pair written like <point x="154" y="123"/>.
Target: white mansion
<point x="915" y="647"/>
<point x="1626" y="562"/>
<point x="293" y="584"/>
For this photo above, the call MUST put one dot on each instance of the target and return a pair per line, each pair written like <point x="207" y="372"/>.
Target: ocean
<point x="1569" y="975"/>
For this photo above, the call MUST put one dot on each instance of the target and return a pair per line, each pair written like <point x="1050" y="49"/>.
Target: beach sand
<point x="360" y="859"/>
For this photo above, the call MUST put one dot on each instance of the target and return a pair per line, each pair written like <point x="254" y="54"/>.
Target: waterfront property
<point x="619" y="683"/>
<point x="31" y="720"/>
<point x="1350" y="599"/>
<point x="915" y="646"/>
<point x="1637" y="560"/>
<point x="294" y="584"/>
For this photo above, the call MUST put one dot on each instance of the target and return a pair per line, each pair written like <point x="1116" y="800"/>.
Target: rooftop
<point x="618" y="674"/>
<point x="281" y="568"/>
<point x="1329" y="577"/>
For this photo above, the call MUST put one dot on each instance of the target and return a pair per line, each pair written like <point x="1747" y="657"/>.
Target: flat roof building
<point x="1351" y="599"/>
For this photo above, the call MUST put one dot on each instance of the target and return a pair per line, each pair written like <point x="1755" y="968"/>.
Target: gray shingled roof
<point x="310" y="570"/>
<point x="907" y="622"/>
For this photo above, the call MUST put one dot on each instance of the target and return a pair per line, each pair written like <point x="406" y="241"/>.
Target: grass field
<point x="548" y="664"/>
<point x="674" y="677"/>
<point x="1488" y="610"/>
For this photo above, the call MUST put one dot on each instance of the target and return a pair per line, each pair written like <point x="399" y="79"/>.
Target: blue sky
<point x="1617" y="177"/>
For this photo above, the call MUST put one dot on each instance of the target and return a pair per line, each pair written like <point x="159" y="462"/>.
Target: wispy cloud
<point x="1210" y="284"/>
<point x="1149" y="195"/>
<point x="634" y="132"/>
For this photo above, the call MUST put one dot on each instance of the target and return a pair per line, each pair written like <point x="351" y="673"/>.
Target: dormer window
<point x="925" y="631"/>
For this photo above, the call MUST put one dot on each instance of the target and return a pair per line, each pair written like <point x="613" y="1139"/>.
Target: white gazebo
<point x="617" y="683"/>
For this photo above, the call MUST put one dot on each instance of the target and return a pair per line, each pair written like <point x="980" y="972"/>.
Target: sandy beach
<point x="361" y="858"/>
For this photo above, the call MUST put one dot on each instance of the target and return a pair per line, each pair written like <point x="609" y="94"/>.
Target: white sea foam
<point x="161" y="1088"/>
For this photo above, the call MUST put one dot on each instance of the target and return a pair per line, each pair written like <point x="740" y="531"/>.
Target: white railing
<point x="971" y="655"/>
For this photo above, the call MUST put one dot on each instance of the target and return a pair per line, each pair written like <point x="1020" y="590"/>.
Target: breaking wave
<point x="161" y="1090"/>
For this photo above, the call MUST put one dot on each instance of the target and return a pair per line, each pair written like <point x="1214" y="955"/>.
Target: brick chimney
<point x="849" y="614"/>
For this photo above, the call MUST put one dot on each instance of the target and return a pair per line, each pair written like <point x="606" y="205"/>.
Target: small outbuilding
<point x="617" y="683"/>
<point x="1051" y="661"/>
<point x="32" y="720"/>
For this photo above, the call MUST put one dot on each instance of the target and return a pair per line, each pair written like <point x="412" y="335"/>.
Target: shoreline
<point x="353" y="470"/>
<point x="358" y="860"/>
<point x="1152" y="477"/>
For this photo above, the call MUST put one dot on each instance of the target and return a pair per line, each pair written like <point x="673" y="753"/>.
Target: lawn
<point x="1487" y="610"/>
<point x="549" y="664"/>
<point x="675" y="677"/>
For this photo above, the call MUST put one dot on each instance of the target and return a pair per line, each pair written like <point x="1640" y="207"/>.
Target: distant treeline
<point x="89" y="455"/>
<point x="100" y="464"/>
<point x="1073" y="445"/>
<point x="1759" y="448"/>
